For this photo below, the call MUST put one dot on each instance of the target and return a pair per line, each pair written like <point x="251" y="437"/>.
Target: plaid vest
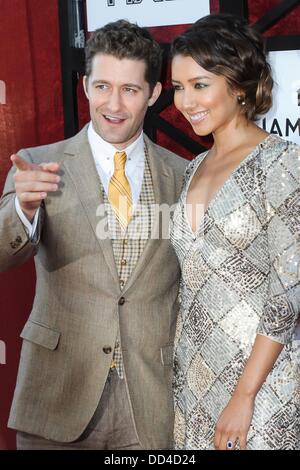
<point x="129" y="246"/>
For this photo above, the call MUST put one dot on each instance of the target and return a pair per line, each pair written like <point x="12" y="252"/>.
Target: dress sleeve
<point x="282" y="198"/>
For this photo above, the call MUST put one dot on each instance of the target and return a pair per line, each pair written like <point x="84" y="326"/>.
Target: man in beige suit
<point x="96" y="362"/>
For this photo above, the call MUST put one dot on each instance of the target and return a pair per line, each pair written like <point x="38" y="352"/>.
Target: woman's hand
<point x="234" y="422"/>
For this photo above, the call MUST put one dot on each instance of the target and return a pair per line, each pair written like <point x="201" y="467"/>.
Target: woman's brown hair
<point x="225" y="44"/>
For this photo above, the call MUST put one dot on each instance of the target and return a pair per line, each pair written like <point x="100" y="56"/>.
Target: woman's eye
<point x="177" y="87"/>
<point x="200" y="85"/>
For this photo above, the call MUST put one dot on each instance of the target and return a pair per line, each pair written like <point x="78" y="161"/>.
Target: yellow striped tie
<point x="119" y="192"/>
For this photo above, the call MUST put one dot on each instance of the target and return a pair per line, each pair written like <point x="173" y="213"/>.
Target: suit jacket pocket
<point x="40" y="334"/>
<point x="166" y="354"/>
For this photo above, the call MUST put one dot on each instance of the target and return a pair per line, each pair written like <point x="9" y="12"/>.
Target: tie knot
<point x="120" y="160"/>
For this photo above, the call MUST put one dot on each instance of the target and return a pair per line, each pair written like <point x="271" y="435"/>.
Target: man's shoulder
<point x="48" y="152"/>
<point x="170" y="158"/>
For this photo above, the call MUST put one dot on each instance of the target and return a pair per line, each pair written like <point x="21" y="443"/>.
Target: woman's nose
<point x="188" y="100"/>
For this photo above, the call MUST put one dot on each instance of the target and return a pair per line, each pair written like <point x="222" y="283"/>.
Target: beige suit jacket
<point x="77" y="310"/>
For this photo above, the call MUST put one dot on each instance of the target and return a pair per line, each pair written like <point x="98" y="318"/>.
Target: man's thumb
<point x="20" y="163"/>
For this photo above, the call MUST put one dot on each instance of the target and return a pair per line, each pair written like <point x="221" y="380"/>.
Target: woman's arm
<point x="235" y="420"/>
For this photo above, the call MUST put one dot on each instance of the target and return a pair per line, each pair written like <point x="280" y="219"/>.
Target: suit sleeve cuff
<point x="30" y="227"/>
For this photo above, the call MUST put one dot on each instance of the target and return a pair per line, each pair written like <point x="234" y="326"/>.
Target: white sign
<point x="283" y="118"/>
<point x="145" y="12"/>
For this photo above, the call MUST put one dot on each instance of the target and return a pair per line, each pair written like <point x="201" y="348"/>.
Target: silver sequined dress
<point x="240" y="277"/>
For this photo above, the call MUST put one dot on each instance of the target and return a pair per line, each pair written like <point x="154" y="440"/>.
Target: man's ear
<point x="155" y="94"/>
<point x="85" y="86"/>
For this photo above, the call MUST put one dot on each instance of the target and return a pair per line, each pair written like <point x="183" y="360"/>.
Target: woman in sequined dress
<point x="236" y="233"/>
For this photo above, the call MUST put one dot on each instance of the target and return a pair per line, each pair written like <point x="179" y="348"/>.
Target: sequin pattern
<point x="240" y="277"/>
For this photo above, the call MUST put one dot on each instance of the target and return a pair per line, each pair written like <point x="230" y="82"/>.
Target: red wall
<point x="30" y="67"/>
<point x="32" y="115"/>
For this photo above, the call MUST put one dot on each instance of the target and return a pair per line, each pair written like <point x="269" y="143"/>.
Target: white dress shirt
<point x="103" y="153"/>
<point x="30" y="227"/>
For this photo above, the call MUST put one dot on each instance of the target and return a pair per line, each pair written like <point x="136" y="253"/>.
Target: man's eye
<point x="130" y="90"/>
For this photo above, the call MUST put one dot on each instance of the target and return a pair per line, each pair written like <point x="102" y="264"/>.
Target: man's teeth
<point x="112" y="118"/>
<point x="198" y="116"/>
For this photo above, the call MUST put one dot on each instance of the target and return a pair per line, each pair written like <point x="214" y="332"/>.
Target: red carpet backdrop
<point x="31" y="113"/>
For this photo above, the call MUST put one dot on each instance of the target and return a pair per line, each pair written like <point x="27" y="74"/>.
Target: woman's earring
<point x="241" y="100"/>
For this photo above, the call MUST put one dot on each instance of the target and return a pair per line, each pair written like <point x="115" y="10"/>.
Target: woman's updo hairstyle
<point x="225" y="44"/>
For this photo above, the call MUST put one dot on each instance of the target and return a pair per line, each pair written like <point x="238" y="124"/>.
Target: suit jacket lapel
<point x="80" y="165"/>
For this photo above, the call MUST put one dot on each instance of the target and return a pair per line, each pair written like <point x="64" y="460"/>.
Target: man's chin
<point x="112" y="136"/>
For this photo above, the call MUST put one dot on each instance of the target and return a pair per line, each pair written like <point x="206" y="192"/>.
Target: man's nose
<point x="114" y="102"/>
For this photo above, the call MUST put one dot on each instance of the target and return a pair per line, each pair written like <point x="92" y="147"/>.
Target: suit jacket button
<point x="13" y="245"/>
<point x="107" y="349"/>
<point x="18" y="239"/>
<point x="122" y="301"/>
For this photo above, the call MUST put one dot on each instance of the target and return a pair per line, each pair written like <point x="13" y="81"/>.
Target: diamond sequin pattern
<point x="198" y="324"/>
<point x="241" y="274"/>
<point x="241" y="324"/>
<point x="195" y="270"/>
<point x="200" y="377"/>
<point x="241" y="226"/>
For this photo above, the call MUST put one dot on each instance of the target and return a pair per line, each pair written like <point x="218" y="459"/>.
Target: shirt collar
<point x="103" y="151"/>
